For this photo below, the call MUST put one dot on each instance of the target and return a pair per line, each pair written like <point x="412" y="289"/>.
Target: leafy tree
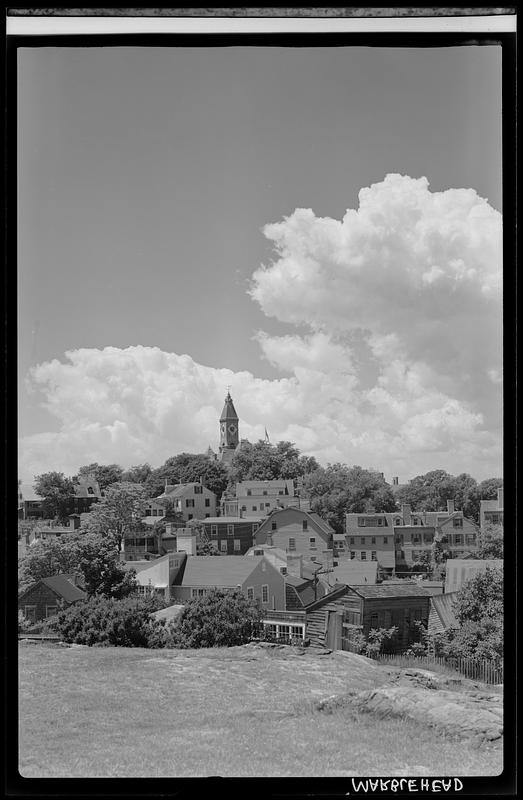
<point x="338" y="489"/>
<point x="137" y="474"/>
<point x="490" y="542"/>
<point x="103" y="474"/>
<point x="379" y="640"/>
<point x="488" y="489"/>
<point x="188" y="468"/>
<point x="93" y="558"/>
<point x="430" y="492"/>
<point x="265" y="462"/>
<point x="423" y="563"/>
<point x="220" y="619"/>
<point x="119" y="512"/>
<point x="106" y="621"/>
<point x="480" y="597"/>
<point x="57" y="493"/>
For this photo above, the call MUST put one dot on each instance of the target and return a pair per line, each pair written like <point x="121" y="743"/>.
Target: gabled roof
<point x="394" y="590"/>
<point x="81" y="489"/>
<point x="317" y="523"/>
<point x="172" y="490"/>
<point x="222" y="571"/>
<point x="62" y="586"/>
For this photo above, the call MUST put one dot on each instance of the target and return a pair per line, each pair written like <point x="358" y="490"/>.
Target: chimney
<point x="450" y="507"/>
<point x="295" y="564"/>
<point x="395" y="481"/>
<point x="500" y="498"/>
<point x="186" y="541"/>
<point x="406" y="512"/>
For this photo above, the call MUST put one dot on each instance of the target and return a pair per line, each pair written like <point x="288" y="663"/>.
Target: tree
<point x="188" y="468"/>
<point x="490" y="542"/>
<point x="338" y="489"/>
<point x="57" y="493"/>
<point x="220" y="619"/>
<point x="93" y="558"/>
<point x="119" y="512"/>
<point x="265" y="462"/>
<point x="423" y="563"/>
<point x="137" y="474"/>
<point x="430" y="492"/>
<point x="110" y="622"/>
<point x="481" y="597"/>
<point x="103" y="474"/>
<point x="488" y="489"/>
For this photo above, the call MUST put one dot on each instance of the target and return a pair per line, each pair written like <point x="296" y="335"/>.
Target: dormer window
<point x="90" y="490"/>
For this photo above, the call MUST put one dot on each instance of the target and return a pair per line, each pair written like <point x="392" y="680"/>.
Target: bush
<point x="220" y="619"/>
<point x="23" y="623"/>
<point x="102" y="620"/>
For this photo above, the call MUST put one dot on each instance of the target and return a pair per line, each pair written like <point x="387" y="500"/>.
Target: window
<point x="427" y="537"/>
<point x="414" y="520"/>
<point x="214" y="530"/>
<point x="373" y="620"/>
<point x="198" y="489"/>
<point x="305" y="524"/>
<point x="283" y="570"/>
<point x="244" y="508"/>
<point x="90" y="490"/>
<point x="207" y="502"/>
<point x="280" y="491"/>
<point x="189" y="503"/>
<point x="194" y="592"/>
<point x="292" y="544"/>
<point x="250" y="593"/>
<point x="373" y="540"/>
<point x="362" y="540"/>
<point x="207" y="516"/>
<point x="265" y="593"/>
<point x="223" y="545"/>
<point x="385" y="540"/>
<point x="249" y="493"/>
<point x="416" y="538"/>
<point x="470" y="538"/>
<point x="397" y="521"/>
<point x="457" y="522"/>
<point x="363" y="555"/>
<point x="255" y="526"/>
<point x="458" y="538"/>
<point x="264" y="492"/>
<point x="353" y="617"/>
<point x="230" y="530"/>
<point x="50" y="611"/>
<point x="352" y="554"/>
<point x="237" y="546"/>
<point x="352" y="540"/>
<point x="414" y="555"/>
<point x="147" y="512"/>
<point x="274" y="526"/>
<point x="380" y="522"/>
<point x="361" y="522"/>
<point x="189" y="516"/>
<point x="298" y="630"/>
<point x="255" y="508"/>
<point x="373" y="556"/>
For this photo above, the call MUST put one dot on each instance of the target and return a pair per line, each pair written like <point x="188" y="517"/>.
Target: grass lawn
<point x="239" y="712"/>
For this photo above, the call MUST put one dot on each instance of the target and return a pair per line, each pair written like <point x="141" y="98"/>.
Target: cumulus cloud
<point x="399" y="368"/>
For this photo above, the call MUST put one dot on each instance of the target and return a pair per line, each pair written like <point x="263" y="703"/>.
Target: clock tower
<point x="229" y="431"/>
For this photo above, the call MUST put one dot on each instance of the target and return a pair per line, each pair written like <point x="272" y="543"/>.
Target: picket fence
<point x="485" y="670"/>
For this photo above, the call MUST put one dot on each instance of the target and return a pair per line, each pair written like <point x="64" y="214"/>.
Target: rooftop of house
<point x="28" y="493"/>
<point x="273" y="484"/>
<point x="169" y="613"/>
<point x="389" y="589"/>
<point x="442" y="605"/>
<point x="355" y="572"/>
<point x="173" y="490"/>
<point x="63" y="586"/>
<point x="474" y="562"/>
<point x="230" y="520"/>
<point x="225" y="571"/>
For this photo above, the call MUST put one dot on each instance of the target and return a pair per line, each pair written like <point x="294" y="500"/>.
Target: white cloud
<point x="415" y="274"/>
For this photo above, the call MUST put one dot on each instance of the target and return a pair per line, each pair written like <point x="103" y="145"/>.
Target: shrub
<point x="23" y="623"/>
<point x="220" y="619"/>
<point x="102" y="620"/>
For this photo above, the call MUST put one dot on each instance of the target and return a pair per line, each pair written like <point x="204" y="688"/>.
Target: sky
<point x="318" y="229"/>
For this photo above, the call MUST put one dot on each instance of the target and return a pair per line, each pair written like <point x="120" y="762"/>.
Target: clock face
<point x="232" y="428"/>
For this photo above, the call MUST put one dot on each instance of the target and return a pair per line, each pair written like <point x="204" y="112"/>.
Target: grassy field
<point x="239" y="712"/>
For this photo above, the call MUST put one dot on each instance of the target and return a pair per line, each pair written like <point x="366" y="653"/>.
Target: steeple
<point x="229" y="431"/>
